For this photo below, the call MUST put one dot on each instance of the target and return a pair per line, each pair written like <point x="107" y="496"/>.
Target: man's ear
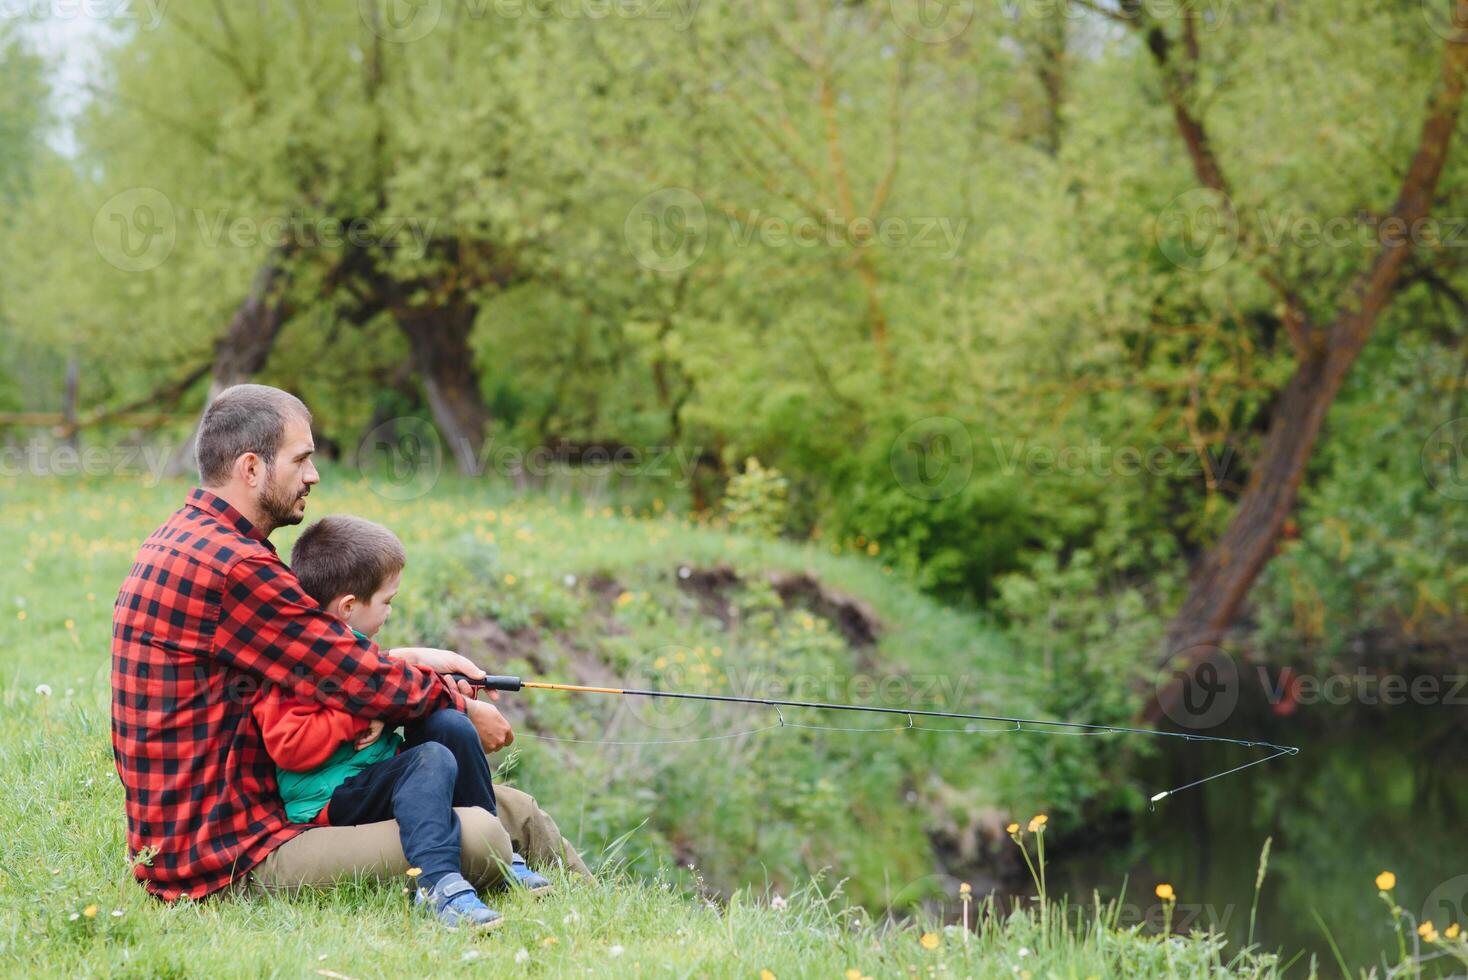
<point x="249" y="468"/>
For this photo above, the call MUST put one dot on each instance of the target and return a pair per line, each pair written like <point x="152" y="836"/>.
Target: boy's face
<point x="366" y="616"/>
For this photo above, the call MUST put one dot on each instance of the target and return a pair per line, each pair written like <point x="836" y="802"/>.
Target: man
<point x="208" y="614"/>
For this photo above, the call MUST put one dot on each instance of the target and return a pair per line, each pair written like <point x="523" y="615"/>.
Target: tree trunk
<point x="243" y="350"/>
<point x="1223" y="577"/>
<point x="68" y="404"/>
<point x="439" y="341"/>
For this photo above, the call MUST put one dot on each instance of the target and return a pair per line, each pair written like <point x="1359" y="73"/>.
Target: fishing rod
<point x="506" y="682"/>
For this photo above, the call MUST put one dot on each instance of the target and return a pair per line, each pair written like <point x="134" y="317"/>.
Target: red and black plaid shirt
<point x="208" y="615"/>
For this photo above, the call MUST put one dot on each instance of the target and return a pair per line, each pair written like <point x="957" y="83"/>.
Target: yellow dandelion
<point x="70" y="624"/>
<point x="1037" y="823"/>
<point x="91" y="597"/>
<point x="1452" y="931"/>
<point x="509" y="580"/>
<point x="90" y="911"/>
<point x="1165" y="892"/>
<point x="766" y="975"/>
<point x="929" y="940"/>
<point x="414" y="872"/>
<point x="1386" y="881"/>
<point x="1013" y="828"/>
<point x="20" y="615"/>
<point x="1428" y="931"/>
<point x="874" y="549"/>
<point x="624" y="598"/>
<point x="965" y="888"/>
<point x="853" y="974"/>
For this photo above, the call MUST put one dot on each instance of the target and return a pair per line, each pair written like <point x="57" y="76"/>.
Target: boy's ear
<point x="341" y="607"/>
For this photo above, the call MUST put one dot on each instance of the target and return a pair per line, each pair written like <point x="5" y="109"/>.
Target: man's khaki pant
<point x="323" y="855"/>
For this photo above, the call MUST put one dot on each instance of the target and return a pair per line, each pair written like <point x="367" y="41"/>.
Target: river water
<point x="1374" y="788"/>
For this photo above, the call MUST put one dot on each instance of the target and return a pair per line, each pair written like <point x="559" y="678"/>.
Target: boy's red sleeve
<point x="301" y="734"/>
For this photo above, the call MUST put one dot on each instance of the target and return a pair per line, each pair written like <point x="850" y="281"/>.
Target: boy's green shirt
<point x="305" y="793"/>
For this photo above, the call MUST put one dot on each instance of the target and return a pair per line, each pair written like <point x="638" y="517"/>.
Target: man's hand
<point x="372" y="734"/>
<point x="441" y="662"/>
<point x="494" y="732"/>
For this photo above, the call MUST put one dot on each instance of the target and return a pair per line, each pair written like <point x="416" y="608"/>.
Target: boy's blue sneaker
<point x="522" y="877"/>
<point x="455" y="903"/>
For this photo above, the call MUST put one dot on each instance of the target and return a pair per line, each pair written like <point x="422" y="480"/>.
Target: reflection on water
<point x="1372" y="789"/>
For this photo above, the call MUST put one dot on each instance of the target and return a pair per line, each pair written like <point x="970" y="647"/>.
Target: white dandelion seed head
<point x="522" y="955"/>
<point x="44" y="690"/>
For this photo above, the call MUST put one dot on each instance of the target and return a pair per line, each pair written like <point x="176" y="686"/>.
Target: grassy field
<point x="711" y="842"/>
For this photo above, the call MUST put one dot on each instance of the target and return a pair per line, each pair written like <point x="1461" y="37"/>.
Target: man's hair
<point x="243" y="419"/>
<point x="343" y="555"/>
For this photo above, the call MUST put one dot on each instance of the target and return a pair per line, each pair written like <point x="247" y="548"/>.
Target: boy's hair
<point x="341" y="555"/>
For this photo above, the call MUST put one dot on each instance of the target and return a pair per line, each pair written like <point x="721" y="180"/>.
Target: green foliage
<point x="1369" y="549"/>
<point x="755" y="500"/>
<point x="1085" y="631"/>
<point x="24" y="113"/>
<point x="790" y="233"/>
<point x="956" y="546"/>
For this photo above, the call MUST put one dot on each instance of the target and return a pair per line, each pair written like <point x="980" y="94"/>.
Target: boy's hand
<point x="494" y="732"/>
<point x="372" y="734"/>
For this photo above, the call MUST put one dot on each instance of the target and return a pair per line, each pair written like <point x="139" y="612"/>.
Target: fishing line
<point x="1032" y="726"/>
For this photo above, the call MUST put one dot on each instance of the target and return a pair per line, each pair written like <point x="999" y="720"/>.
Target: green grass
<point x="758" y="816"/>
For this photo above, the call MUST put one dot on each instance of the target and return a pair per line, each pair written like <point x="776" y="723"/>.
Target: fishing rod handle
<point x="490" y="682"/>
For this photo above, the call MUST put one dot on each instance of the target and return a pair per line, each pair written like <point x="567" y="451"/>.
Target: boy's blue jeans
<point x="441" y="766"/>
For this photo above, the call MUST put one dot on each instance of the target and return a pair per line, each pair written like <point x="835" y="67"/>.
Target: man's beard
<point x="279" y="505"/>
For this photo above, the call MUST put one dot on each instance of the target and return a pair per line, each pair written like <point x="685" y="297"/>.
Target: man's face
<point x="367" y="616"/>
<point x="290" y="478"/>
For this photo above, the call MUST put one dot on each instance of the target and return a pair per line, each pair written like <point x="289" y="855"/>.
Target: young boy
<point x="337" y="769"/>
